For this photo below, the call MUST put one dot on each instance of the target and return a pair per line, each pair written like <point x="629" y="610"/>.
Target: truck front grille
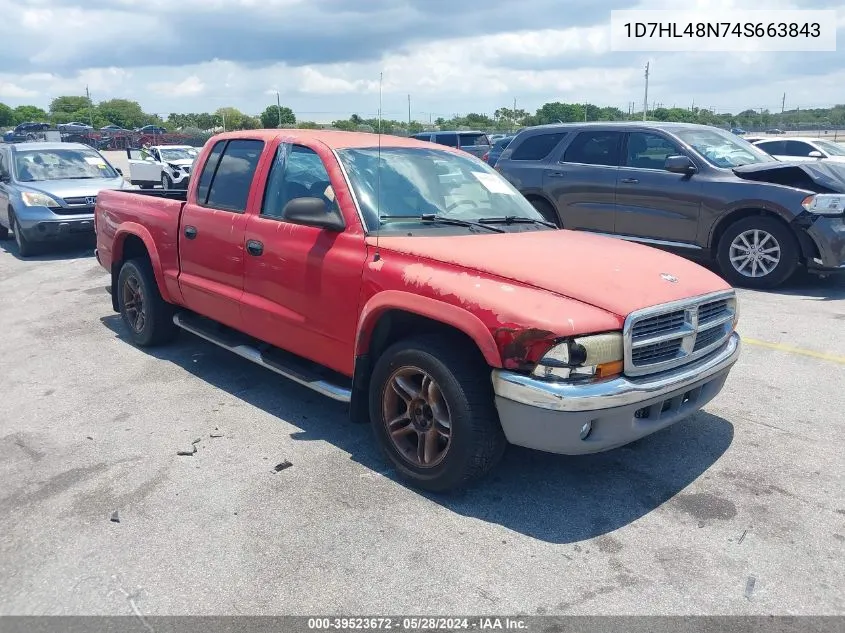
<point x="671" y="335"/>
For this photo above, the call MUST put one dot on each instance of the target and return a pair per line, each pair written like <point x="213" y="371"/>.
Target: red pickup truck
<point x="414" y="282"/>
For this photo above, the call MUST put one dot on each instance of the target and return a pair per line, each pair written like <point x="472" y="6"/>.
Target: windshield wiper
<point x="434" y="217"/>
<point x="77" y="178"/>
<point x="515" y="219"/>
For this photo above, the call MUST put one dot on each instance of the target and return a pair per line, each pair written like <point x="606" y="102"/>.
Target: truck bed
<point x="156" y="211"/>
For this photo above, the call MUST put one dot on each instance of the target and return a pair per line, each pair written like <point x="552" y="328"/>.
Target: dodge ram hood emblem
<point x="669" y="278"/>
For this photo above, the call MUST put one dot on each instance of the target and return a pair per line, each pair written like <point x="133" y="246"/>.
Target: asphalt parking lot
<point x="738" y="510"/>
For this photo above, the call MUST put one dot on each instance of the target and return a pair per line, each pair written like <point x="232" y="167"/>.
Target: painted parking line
<point x="780" y="347"/>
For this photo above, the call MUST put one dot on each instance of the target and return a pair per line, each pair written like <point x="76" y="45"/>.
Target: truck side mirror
<point x="679" y="165"/>
<point x="815" y="154"/>
<point x="313" y="212"/>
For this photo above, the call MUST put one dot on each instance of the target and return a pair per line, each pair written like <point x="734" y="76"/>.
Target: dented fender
<point x="127" y="229"/>
<point x="455" y="316"/>
<point x="510" y="322"/>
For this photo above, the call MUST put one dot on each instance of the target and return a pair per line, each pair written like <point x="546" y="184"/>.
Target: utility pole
<point x="409" y="114"/>
<point x="279" y="107"/>
<point x="90" y="107"/>
<point x="645" y="97"/>
<point x="585" y="112"/>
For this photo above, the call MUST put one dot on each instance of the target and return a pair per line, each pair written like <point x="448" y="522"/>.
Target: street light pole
<point x="279" y="106"/>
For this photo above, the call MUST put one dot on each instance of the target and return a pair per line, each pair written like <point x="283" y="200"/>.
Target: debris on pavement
<point x="216" y="435"/>
<point x="281" y="466"/>
<point x="115" y="517"/>
<point x="749" y="586"/>
<point x="742" y="538"/>
<point x="197" y="441"/>
<point x="88" y="437"/>
<point x="190" y="452"/>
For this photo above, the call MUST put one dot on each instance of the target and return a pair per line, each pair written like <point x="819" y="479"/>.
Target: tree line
<point x="130" y="115"/>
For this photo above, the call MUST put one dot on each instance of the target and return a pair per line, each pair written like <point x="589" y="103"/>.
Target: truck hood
<point x="612" y="274"/>
<point x="821" y="176"/>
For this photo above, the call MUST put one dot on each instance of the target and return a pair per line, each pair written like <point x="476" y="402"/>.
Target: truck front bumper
<point x="573" y="419"/>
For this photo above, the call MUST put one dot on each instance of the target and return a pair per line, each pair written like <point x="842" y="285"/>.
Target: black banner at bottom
<point x="409" y="624"/>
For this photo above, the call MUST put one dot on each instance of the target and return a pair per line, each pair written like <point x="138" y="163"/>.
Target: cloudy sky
<point x="325" y="56"/>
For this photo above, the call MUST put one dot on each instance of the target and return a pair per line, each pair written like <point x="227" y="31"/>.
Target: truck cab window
<point x="299" y="174"/>
<point x="208" y="171"/>
<point x="230" y="185"/>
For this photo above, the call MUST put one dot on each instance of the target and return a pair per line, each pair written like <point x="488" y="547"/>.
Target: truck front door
<point x="211" y="231"/>
<point x="302" y="283"/>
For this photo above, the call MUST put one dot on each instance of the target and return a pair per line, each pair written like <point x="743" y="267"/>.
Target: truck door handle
<point x="630" y="181"/>
<point x="254" y="247"/>
<point x="556" y="174"/>
<point x="190" y="232"/>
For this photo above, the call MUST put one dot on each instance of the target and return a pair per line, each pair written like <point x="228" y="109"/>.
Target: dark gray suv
<point x="692" y="189"/>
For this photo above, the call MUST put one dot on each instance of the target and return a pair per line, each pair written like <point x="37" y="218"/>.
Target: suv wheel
<point x="433" y="412"/>
<point x="757" y="252"/>
<point x="547" y="211"/>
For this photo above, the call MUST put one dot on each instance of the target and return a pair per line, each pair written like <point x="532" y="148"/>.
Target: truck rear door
<point x="211" y="231"/>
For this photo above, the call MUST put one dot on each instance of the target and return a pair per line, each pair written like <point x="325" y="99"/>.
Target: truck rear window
<point x="232" y="179"/>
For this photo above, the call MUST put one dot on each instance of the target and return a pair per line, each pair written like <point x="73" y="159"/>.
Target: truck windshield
<point x="177" y="153"/>
<point x="722" y="149"/>
<point x="418" y="182"/>
<point x="61" y="164"/>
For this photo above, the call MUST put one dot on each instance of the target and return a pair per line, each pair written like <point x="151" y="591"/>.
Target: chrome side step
<point x="269" y="360"/>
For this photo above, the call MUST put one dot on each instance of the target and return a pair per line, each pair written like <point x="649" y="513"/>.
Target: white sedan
<point x="796" y="148"/>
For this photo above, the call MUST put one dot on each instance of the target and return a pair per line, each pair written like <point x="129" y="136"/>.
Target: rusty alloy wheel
<point x="417" y="417"/>
<point x="133" y="304"/>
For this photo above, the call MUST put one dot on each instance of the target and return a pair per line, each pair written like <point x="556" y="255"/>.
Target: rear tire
<point x="146" y="315"/>
<point x="459" y="390"/>
<point x="757" y="252"/>
<point x="547" y="211"/>
<point x="4" y="232"/>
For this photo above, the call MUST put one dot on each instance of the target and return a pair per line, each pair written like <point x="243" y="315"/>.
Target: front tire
<point x="757" y="252"/>
<point x="25" y="247"/>
<point x="166" y="183"/>
<point x="433" y="413"/>
<point x="147" y="316"/>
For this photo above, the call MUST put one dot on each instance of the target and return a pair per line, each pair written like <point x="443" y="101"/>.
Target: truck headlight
<point x="37" y="199"/>
<point x="828" y="204"/>
<point x="583" y="357"/>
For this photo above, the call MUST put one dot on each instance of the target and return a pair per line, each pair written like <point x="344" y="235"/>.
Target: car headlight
<point x="36" y="199"/>
<point x="829" y="204"/>
<point x="583" y="357"/>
